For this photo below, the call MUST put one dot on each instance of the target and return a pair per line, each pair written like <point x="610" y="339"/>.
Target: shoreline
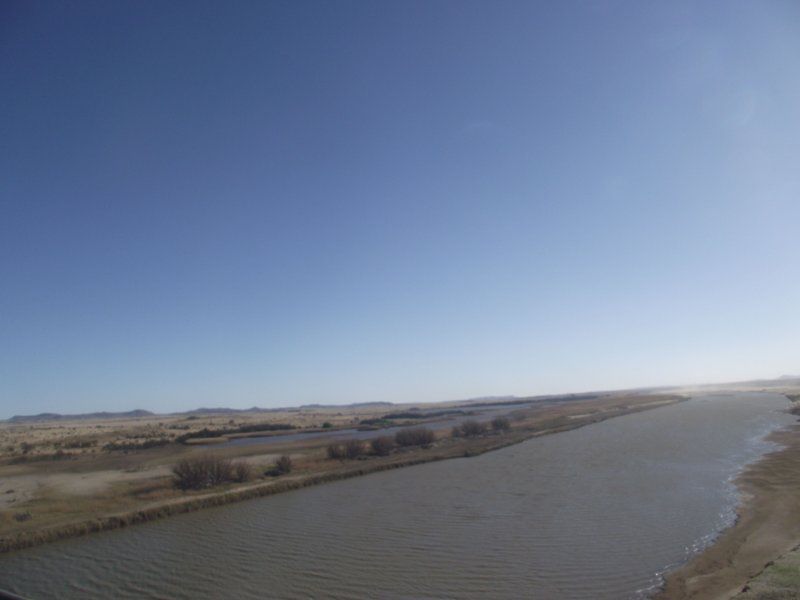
<point x="767" y="526"/>
<point x="738" y="563"/>
<point x="193" y="501"/>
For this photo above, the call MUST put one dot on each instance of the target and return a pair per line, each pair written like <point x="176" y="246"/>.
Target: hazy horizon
<point x="281" y="405"/>
<point x="283" y="204"/>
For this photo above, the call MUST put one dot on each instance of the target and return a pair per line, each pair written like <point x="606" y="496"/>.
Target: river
<point x="599" y="512"/>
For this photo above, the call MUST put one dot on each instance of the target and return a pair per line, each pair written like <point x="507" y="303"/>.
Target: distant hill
<point x="85" y="416"/>
<point x="218" y="411"/>
<point x="226" y="411"/>
<point x="198" y="412"/>
<point x="466" y="403"/>
<point x="354" y="405"/>
<point x="484" y="399"/>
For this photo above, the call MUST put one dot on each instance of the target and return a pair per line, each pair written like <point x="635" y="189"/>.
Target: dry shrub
<point x="382" y="446"/>
<point x="242" y="471"/>
<point x="501" y="424"/>
<point x="350" y="449"/>
<point x="283" y="465"/>
<point x="472" y="428"/>
<point x="353" y="449"/>
<point x="202" y="472"/>
<point x="418" y="436"/>
<point x="336" y="452"/>
<point x="221" y="471"/>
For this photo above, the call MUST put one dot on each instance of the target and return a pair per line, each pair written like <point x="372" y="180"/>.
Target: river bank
<point x="767" y="527"/>
<point x="313" y="469"/>
<point x="592" y="513"/>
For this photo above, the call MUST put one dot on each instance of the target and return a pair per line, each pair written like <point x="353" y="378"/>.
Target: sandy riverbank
<point x="768" y="526"/>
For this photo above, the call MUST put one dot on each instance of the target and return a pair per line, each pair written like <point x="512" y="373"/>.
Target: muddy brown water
<point x="599" y="512"/>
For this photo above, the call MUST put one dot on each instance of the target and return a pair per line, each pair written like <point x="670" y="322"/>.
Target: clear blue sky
<point x="280" y="203"/>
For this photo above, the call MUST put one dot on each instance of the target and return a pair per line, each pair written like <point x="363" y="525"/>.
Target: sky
<point x="283" y="203"/>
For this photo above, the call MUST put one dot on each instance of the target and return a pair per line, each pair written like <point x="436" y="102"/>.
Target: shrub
<point x="242" y="471"/>
<point x="202" y="472"/>
<point x="501" y="424"/>
<point x="472" y="428"/>
<point x="283" y="465"/>
<point x="336" y="452"/>
<point x="23" y="516"/>
<point x="221" y="471"/>
<point x="382" y="446"/>
<point x="353" y="448"/>
<point x="456" y="431"/>
<point x="327" y="425"/>
<point x="418" y="436"/>
<point x="190" y="475"/>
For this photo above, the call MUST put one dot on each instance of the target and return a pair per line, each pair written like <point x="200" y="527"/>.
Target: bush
<point x="382" y="446"/>
<point x="456" y="431"/>
<point x="472" y="428"/>
<point x="327" y="425"/>
<point x="336" y="452"/>
<point x="283" y="465"/>
<point x="220" y="471"/>
<point x="203" y="472"/>
<point x="350" y="449"/>
<point x="501" y="424"/>
<point x="190" y="474"/>
<point x="353" y="448"/>
<point x="242" y="471"/>
<point x="418" y="436"/>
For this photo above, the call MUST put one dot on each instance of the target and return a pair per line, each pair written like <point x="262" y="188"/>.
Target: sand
<point x="73" y="484"/>
<point x="768" y="527"/>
